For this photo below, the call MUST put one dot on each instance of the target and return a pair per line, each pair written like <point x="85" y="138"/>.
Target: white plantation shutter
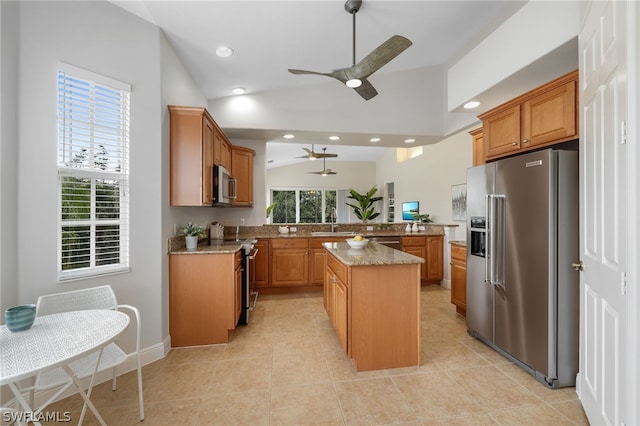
<point x="93" y="174"/>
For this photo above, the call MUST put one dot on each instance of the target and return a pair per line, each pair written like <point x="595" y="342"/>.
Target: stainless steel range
<point x="249" y="294"/>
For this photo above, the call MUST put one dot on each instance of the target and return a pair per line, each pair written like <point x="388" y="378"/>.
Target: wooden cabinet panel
<point x="550" y="116"/>
<point x="459" y="278"/>
<point x="541" y="117"/>
<point x="340" y="313"/>
<point x="238" y="287"/>
<point x="221" y="149"/>
<point x="420" y="251"/>
<point x="242" y="171"/>
<point x="202" y="295"/>
<point x="191" y="156"/>
<point x="260" y="270"/>
<point x="289" y="262"/>
<point x="435" y="258"/>
<point x="478" y="146"/>
<point x="502" y="132"/>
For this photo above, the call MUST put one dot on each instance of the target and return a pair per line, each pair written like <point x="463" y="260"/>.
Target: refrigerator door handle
<point x="489" y="232"/>
<point x="498" y="245"/>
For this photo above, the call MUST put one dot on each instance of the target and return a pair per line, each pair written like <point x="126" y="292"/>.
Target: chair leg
<point x="140" y="397"/>
<point x="113" y="380"/>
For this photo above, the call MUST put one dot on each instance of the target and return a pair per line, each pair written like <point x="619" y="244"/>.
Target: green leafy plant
<point x="365" y="209"/>
<point x="270" y="209"/>
<point x="193" y="230"/>
<point x="423" y="218"/>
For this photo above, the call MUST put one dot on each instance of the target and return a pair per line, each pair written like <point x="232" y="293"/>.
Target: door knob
<point x="578" y="266"/>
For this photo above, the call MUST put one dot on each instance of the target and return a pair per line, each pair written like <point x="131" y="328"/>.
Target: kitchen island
<point x="372" y="296"/>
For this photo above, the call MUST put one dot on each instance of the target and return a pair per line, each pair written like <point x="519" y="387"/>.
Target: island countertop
<point x="370" y="255"/>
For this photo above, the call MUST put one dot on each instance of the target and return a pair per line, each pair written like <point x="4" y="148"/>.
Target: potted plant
<point x="365" y="209"/>
<point x="423" y="218"/>
<point x="191" y="233"/>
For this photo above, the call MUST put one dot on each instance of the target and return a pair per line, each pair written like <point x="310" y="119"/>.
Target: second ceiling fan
<point x="356" y="75"/>
<point x="325" y="171"/>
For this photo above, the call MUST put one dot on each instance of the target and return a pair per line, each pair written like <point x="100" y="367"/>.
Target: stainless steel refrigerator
<point x="522" y="236"/>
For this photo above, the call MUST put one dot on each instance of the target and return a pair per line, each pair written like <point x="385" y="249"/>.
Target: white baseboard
<point x="445" y="283"/>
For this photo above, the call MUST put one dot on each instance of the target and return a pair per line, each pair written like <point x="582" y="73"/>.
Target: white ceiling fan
<point x="324" y="171"/>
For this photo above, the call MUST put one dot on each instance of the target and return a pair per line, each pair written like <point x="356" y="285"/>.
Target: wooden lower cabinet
<point x="317" y="259"/>
<point x="238" y="286"/>
<point x="375" y="311"/>
<point x="289" y="262"/>
<point x="260" y="271"/>
<point x="435" y="258"/>
<point x="459" y="278"/>
<point x="430" y="248"/>
<point x="202" y="298"/>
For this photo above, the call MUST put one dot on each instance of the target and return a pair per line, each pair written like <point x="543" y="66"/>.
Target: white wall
<point x="9" y="291"/>
<point x="428" y="178"/>
<point x="102" y="38"/>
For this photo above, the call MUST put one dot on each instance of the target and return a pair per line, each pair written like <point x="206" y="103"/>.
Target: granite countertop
<point x="369" y="234"/>
<point x="371" y="255"/>
<point x="221" y="247"/>
<point x="459" y="243"/>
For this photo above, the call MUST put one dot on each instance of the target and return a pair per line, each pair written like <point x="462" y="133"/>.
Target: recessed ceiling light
<point x="288" y="136"/>
<point x="238" y="90"/>
<point x="471" y="105"/>
<point x="334" y="138"/>
<point x="410" y="140"/>
<point x="374" y="140"/>
<point x="224" y="51"/>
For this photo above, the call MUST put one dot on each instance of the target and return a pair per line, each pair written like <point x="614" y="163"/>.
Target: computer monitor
<point x="410" y="209"/>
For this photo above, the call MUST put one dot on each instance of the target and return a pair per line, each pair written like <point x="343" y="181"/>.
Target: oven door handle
<point x="253" y="254"/>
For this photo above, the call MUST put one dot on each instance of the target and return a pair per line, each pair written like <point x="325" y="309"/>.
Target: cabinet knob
<point x="514" y="143"/>
<point x="525" y="141"/>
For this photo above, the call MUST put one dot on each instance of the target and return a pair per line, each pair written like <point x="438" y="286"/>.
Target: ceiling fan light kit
<point x="356" y="76"/>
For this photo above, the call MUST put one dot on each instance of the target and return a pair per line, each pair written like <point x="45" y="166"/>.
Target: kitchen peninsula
<point x="372" y="296"/>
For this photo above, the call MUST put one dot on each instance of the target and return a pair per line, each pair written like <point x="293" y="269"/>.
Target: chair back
<point x="101" y="297"/>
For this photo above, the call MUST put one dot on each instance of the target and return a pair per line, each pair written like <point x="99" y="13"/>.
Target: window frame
<point x="93" y="170"/>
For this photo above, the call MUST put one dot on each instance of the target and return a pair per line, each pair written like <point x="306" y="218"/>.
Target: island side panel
<point x="384" y="316"/>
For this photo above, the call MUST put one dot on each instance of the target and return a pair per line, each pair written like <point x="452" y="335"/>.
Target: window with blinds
<point x="93" y="174"/>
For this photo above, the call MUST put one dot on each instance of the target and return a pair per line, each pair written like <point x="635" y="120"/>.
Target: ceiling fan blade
<point x="366" y="90"/>
<point x="380" y="56"/>
<point x="339" y="74"/>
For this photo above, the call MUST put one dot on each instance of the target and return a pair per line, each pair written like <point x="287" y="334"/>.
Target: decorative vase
<point x="414" y="228"/>
<point x="408" y="228"/>
<point x="191" y="242"/>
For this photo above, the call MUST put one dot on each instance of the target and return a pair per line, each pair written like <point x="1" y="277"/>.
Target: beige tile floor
<point x="287" y="368"/>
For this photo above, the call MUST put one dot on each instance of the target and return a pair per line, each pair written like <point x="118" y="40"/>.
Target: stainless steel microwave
<point x="224" y="186"/>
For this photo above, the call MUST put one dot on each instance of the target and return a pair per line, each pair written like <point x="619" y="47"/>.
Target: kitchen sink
<point x="332" y="234"/>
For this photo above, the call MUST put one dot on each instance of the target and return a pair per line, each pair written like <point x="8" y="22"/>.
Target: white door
<point x="603" y="206"/>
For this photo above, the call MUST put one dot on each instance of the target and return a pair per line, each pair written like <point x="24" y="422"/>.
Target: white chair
<point x="91" y="298"/>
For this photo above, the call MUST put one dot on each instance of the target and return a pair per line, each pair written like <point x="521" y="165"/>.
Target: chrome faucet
<point x="334" y="216"/>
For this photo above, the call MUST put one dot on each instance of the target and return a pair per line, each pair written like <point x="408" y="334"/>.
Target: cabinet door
<point x="242" y="171"/>
<point x="260" y="270"/>
<point x="207" y="161"/>
<point x="289" y="267"/>
<point x="317" y="266"/>
<point x="340" y="312"/>
<point x="238" y="293"/>
<point x="550" y="117"/>
<point x="459" y="286"/>
<point x="501" y="132"/>
<point x="226" y="153"/>
<point x="435" y="267"/>
<point x="330" y="295"/>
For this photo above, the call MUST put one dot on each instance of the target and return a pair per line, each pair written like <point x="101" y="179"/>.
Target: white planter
<point x="191" y="242"/>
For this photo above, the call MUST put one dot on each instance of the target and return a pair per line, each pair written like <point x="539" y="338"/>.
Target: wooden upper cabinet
<point x="478" y="146"/>
<point x="222" y="149"/>
<point x="544" y="116"/>
<point x="196" y="144"/>
<point x="242" y="171"/>
<point x="191" y="156"/>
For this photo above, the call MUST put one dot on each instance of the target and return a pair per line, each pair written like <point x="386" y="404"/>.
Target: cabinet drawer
<point x="458" y="253"/>
<point x="337" y="267"/>
<point x="293" y="243"/>
<point x="414" y="241"/>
